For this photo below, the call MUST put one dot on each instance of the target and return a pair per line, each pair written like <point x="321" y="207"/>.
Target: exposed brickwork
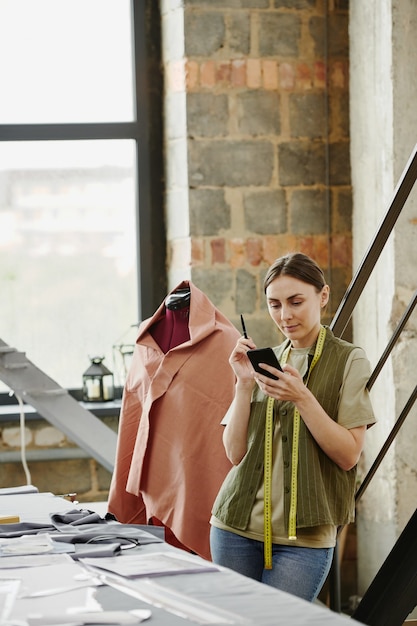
<point x="267" y="123"/>
<point x="83" y="476"/>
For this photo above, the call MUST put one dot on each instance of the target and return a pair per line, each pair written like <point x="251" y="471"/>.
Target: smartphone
<point x="264" y="355"/>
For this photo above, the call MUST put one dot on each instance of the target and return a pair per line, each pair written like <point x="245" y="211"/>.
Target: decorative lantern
<point x="98" y="385"/>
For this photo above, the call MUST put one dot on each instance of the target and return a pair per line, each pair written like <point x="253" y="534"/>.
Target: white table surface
<point x="228" y="596"/>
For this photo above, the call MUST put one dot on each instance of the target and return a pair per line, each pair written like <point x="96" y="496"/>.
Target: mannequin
<point x="179" y="299"/>
<point x="172" y="329"/>
<point x="170" y="459"/>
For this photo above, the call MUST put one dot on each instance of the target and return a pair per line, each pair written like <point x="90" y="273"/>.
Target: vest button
<point x="287" y="490"/>
<point x="283" y="411"/>
<point x="284" y="438"/>
<point x="286" y="464"/>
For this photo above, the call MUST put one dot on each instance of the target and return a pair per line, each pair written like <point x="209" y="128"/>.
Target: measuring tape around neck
<point x="269" y="426"/>
<point x="292" y="521"/>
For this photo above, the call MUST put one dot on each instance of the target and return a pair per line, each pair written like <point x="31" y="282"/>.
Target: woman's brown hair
<point x="299" y="266"/>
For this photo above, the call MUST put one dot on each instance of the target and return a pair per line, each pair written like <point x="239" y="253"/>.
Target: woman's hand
<point x="288" y="387"/>
<point x="239" y="360"/>
<point x="235" y="436"/>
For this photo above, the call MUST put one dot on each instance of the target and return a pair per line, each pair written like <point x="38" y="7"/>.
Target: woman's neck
<point x="308" y="340"/>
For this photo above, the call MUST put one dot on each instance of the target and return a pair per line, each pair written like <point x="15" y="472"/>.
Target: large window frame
<point x="146" y="132"/>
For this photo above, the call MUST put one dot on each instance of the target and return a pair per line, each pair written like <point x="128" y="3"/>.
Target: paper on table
<point x="26" y="544"/>
<point x="99" y="617"/>
<point x="181" y="604"/>
<point x="156" y="564"/>
<point x="51" y="589"/>
<point x="8" y="593"/>
<point x="33" y="508"/>
<point x="49" y="579"/>
<point x="32" y="560"/>
<point x="83" y="599"/>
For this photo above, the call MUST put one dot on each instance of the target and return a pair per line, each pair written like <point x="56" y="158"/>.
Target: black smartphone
<point x="264" y="355"/>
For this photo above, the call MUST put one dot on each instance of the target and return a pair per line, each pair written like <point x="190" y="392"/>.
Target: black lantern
<point x="98" y="383"/>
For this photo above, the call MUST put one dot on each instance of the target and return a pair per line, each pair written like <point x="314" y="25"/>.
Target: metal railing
<point x="342" y="317"/>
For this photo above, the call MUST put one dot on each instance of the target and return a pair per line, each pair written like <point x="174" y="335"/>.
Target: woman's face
<point x="295" y="307"/>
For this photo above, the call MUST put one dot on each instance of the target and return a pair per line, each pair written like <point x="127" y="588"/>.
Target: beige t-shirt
<point x="351" y="395"/>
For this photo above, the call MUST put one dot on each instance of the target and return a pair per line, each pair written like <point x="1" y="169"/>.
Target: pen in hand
<point x="242" y="321"/>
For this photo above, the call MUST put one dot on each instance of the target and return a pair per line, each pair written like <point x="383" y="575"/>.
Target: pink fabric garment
<point x="170" y="460"/>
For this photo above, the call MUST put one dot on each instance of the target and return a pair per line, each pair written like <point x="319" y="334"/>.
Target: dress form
<point x="172" y="329"/>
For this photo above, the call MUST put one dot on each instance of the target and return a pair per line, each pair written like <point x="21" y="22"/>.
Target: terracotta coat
<point x="170" y="460"/>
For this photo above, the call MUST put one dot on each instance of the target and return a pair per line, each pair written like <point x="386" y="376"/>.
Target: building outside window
<point x="68" y="231"/>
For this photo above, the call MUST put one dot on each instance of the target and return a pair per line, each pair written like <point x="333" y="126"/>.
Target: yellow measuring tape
<point x="267" y="484"/>
<point x="292" y="522"/>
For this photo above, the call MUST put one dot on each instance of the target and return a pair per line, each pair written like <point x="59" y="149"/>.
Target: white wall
<point x="383" y="134"/>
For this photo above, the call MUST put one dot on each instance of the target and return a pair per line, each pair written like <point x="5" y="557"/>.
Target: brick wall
<point x="258" y="106"/>
<point x="55" y="463"/>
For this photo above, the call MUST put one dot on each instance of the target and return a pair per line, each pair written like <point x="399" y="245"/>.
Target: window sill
<point x="11" y="412"/>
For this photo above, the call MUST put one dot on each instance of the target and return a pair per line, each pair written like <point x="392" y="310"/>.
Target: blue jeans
<point x="300" y="571"/>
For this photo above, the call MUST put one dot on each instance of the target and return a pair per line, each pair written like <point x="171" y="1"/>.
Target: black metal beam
<point x="354" y="291"/>
<point x="395" y="336"/>
<point x="392" y="595"/>
<point x="400" y="421"/>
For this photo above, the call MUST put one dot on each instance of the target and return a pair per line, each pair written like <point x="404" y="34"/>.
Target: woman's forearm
<point x="235" y="436"/>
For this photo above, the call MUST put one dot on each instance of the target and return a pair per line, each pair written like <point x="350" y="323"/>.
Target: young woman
<point x="294" y="441"/>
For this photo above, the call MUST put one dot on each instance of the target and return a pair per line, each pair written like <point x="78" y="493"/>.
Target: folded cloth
<point x="23" y="528"/>
<point x="97" y="533"/>
<point x="87" y="550"/>
<point x="83" y="526"/>
<point x="73" y="517"/>
<point x="76" y="517"/>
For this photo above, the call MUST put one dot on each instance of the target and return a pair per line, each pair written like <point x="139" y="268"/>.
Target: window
<point x="67" y="252"/>
<point x="65" y="61"/>
<point x="69" y="175"/>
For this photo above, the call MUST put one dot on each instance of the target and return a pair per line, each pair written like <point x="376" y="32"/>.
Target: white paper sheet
<point x="99" y="617"/>
<point x="56" y="578"/>
<point x="8" y="594"/>
<point x="32" y="560"/>
<point x="26" y="544"/>
<point x="155" y="564"/>
<point x="59" y="604"/>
